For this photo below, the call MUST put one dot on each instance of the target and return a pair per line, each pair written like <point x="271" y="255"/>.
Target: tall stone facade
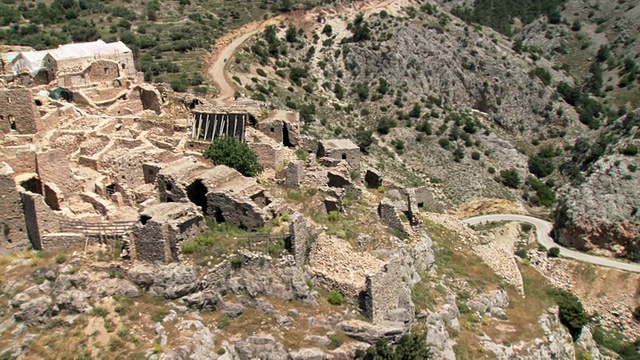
<point x="13" y="229"/>
<point x="18" y="112"/>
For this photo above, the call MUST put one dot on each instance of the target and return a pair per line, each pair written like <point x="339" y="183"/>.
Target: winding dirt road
<point x="227" y="45"/>
<point x="543" y="228"/>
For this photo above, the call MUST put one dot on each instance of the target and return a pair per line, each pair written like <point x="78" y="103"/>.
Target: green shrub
<point x="636" y="313"/>
<point x="510" y="178"/>
<point x="261" y="72"/>
<point x="60" y="259"/>
<point x="223" y="323"/>
<point x="159" y="315"/>
<point x="221" y="351"/>
<point x="99" y="311"/>
<point x="188" y="247"/>
<point x="236" y="262"/>
<point x="522" y="253"/>
<point x="333" y="216"/>
<point x="302" y="155"/>
<point x="335" y="298"/>
<point x="386" y="124"/>
<point x="630" y="150"/>
<point x="572" y="314"/>
<point x="231" y="152"/>
<point x="554" y="252"/>
<point x="475" y="155"/>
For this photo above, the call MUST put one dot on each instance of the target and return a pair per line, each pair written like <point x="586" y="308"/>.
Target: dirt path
<point x="227" y="45"/>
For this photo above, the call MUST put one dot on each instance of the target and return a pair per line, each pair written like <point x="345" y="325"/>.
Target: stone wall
<point x="383" y="291"/>
<point x="294" y="174"/>
<point x="303" y="236"/>
<point x="40" y="218"/>
<point x="53" y="167"/>
<point x="150" y="242"/>
<point x="272" y="128"/>
<point x="13" y="229"/>
<point x="103" y="71"/>
<point x="425" y="199"/>
<point x="340" y="149"/>
<point x="243" y="213"/>
<point x="269" y="155"/>
<point x="18" y="111"/>
<point x="390" y="217"/>
<point x="22" y="159"/>
<point x="62" y="241"/>
<point x="163" y="228"/>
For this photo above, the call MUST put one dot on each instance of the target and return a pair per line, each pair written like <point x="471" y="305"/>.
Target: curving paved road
<point x="543" y="228"/>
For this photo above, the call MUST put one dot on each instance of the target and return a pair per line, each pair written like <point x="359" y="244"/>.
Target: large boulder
<point x="371" y="333"/>
<point x="174" y="281"/>
<point x="261" y="346"/>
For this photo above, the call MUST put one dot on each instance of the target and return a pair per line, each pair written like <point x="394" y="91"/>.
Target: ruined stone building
<point x="70" y="65"/>
<point x="18" y="111"/>
<point x="340" y="149"/>
<point x="220" y="192"/>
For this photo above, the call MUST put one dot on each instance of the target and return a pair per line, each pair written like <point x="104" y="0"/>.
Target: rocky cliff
<point x="600" y="209"/>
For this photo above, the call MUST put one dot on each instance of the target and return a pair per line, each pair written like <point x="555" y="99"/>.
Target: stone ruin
<point x="221" y="193"/>
<point x="340" y="149"/>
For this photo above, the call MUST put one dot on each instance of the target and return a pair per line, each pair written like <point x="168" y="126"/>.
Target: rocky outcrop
<point x="261" y="346"/>
<point x="172" y="281"/>
<point x="601" y="213"/>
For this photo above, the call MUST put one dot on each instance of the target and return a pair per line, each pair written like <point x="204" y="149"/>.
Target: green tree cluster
<point x="410" y="347"/>
<point x="571" y="311"/>
<point x="234" y="154"/>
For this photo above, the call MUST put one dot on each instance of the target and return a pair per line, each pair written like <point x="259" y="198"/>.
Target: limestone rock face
<point x="371" y="333"/>
<point x="601" y="213"/>
<point x="174" y="281"/>
<point x="261" y="346"/>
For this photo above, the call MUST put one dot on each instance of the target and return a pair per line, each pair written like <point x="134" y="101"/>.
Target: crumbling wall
<point x="53" y="167"/>
<point x="425" y="199"/>
<point x="239" y="212"/>
<point x="13" y="228"/>
<point x="18" y="111"/>
<point x="294" y="174"/>
<point x="39" y="217"/>
<point x="162" y="228"/>
<point x="150" y="98"/>
<point x="269" y="155"/>
<point x="383" y="291"/>
<point x="62" y="241"/>
<point x="103" y="71"/>
<point x="390" y="217"/>
<point x="272" y="128"/>
<point x="303" y="237"/>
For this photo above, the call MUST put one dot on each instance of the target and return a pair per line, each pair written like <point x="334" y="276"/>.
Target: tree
<point x="364" y="139"/>
<point x="571" y="311"/>
<point x="232" y="153"/>
<point x="510" y="178"/>
<point x="386" y="124"/>
<point x="541" y="166"/>
<point x="410" y="347"/>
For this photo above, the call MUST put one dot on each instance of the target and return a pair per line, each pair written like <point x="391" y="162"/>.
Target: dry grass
<point x="455" y="258"/>
<point x="523" y="312"/>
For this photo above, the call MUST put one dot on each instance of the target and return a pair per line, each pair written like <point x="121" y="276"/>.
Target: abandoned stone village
<point x="89" y="153"/>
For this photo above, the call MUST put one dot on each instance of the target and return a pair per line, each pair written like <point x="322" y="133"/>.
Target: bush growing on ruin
<point x="232" y="153"/>
<point x="335" y="298"/>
